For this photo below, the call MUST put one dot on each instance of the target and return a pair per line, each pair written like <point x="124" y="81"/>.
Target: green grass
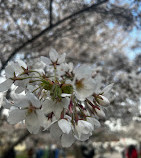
<point x="21" y="155"/>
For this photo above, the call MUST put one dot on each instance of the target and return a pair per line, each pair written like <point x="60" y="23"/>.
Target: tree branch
<point x="50" y="12"/>
<point x="20" y="139"/>
<point x="90" y="8"/>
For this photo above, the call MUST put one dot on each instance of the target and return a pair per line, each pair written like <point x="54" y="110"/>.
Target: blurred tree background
<point x="104" y="33"/>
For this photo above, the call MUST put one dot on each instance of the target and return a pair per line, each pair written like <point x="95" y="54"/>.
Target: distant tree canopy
<point x="32" y="27"/>
<point x="89" y="31"/>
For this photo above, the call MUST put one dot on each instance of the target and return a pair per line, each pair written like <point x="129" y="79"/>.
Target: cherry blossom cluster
<point x="58" y="97"/>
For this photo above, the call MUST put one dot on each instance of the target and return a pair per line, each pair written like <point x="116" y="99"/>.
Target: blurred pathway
<point x="108" y="155"/>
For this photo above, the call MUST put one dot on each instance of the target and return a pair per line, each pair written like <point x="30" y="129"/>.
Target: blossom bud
<point x="102" y="100"/>
<point x="100" y="113"/>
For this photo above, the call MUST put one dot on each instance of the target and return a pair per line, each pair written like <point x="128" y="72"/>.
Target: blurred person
<point x="30" y="153"/>
<point x="47" y="150"/>
<point x="52" y="151"/>
<point x="87" y="150"/>
<point x="10" y="153"/>
<point x="57" y="152"/>
<point x="131" y="152"/>
<point x="63" y="153"/>
<point x="110" y="148"/>
<point x="140" y="150"/>
<point x="123" y="153"/>
<point x="39" y="152"/>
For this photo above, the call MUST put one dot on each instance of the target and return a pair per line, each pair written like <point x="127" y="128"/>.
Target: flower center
<point x="31" y="109"/>
<point x="79" y="83"/>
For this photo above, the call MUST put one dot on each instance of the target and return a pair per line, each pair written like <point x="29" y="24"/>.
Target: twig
<point x="50" y="12"/>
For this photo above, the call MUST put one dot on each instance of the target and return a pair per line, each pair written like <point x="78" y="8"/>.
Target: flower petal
<point x="84" y="127"/>
<point x="48" y="106"/>
<point x="84" y="137"/>
<point x="65" y="102"/>
<point x="93" y="121"/>
<point x="61" y="58"/>
<point x="32" y="123"/>
<point x="33" y="99"/>
<point x="53" y="55"/>
<point x="65" y="126"/>
<point x="100" y="113"/>
<point x="5" y="85"/>
<point x="67" y="140"/>
<point x="16" y="115"/>
<point x="103" y="101"/>
<point x="57" y="110"/>
<point x="42" y="119"/>
<point x="107" y="88"/>
<point x="9" y="69"/>
<point x="19" y="90"/>
<point x="55" y="131"/>
<point x="45" y="60"/>
<point x="6" y="104"/>
<point x="21" y="63"/>
<point x="22" y="102"/>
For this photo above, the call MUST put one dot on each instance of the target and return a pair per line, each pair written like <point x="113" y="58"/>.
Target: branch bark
<point x="21" y="138"/>
<point x="50" y="12"/>
<point x="87" y="9"/>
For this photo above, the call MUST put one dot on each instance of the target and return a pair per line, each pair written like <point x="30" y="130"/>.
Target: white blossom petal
<point x="61" y="58"/>
<point x="22" y="103"/>
<point x="100" y="113"/>
<point x="22" y="63"/>
<point x="16" y="115"/>
<point x="45" y="60"/>
<point x="65" y="95"/>
<point x="55" y="131"/>
<point x="84" y="137"/>
<point x="19" y="90"/>
<point x="5" y="85"/>
<point x="33" y="99"/>
<point x="65" y="126"/>
<point x="67" y="140"/>
<point x="48" y="106"/>
<point x="83" y="71"/>
<point x="107" y="88"/>
<point x="57" y="111"/>
<point x="103" y="101"/>
<point x="65" y="102"/>
<point x="10" y="69"/>
<point x="22" y="83"/>
<point x="93" y="121"/>
<point x="6" y="104"/>
<point x="83" y="127"/>
<point x="42" y="119"/>
<point x="55" y="107"/>
<point x="32" y="123"/>
<point x="53" y="55"/>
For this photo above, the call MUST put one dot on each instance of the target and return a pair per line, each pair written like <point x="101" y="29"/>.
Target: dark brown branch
<point x="21" y="138"/>
<point x="50" y="12"/>
<point x="90" y="8"/>
<point x="2" y="59"/>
